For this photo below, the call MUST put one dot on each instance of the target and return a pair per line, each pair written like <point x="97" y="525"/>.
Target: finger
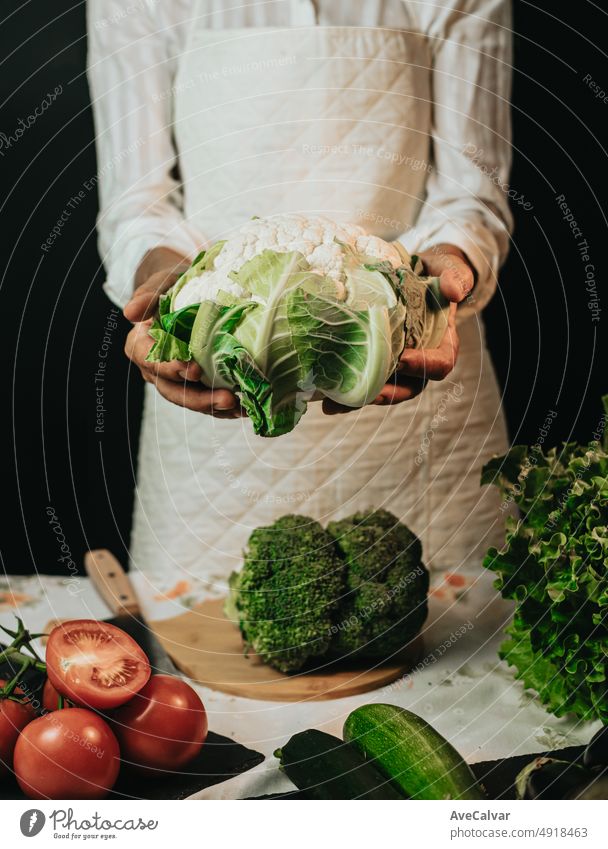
<point x="396" y="393"/>
<point x="137" y="346"/>
<point x="143" y="304"/>
<point x="189" y="371"/>
<point x="332" y="408"/>
<point x="456" y="280"/>
<point x="432" y="363"/>
<point x="138" y="342"/>
<point x="168" y="379"/>
<point x="176" y="370"/>
<point x="391" y="393"/>
<point x="198" y="399"/>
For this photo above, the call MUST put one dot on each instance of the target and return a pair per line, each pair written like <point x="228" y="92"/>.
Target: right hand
<point x="176" y="381"/>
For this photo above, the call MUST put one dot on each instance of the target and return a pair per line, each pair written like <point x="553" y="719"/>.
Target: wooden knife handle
<point x="111" y="581"/>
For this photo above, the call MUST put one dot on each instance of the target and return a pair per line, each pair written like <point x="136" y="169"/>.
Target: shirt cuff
<point x="121" y="269"/>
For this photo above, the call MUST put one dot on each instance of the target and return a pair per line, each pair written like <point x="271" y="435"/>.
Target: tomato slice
<point x="95" y="664"/>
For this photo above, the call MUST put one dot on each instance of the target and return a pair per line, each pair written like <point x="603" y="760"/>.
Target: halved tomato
<point x="95" y="664"/>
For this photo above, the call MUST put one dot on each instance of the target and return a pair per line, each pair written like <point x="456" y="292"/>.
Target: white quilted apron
<point x="323" y="120"/>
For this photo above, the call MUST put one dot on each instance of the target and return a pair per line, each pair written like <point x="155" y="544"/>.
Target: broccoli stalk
<point x="358" y="588"/>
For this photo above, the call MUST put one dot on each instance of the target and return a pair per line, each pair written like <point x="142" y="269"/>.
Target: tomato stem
<point x="15" y="656"/>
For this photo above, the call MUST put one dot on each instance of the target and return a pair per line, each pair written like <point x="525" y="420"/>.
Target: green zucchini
<point x="417" y="759"/>
<point x="328" y="768"/>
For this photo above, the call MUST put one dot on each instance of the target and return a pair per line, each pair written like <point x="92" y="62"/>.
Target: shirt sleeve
<point x="131" y="77"/>
<point x="467" y="191"/>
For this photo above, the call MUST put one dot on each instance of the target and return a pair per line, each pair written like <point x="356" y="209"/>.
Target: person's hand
<point x="156" y="273"/>
<point x="417" y="366"/>
<point x="454" y="270"/>
<point x="176" y="381"/>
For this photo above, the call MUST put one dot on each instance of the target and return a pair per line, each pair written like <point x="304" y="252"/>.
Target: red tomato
<point x="67" y="754"/>
<point x="95" y="664"/>
<point x="14" y="716"/>
<point x="50" y="698"/>
<point x="162" y="727"/>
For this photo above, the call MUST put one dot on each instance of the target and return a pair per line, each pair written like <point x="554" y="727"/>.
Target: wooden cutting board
<point x="208" y="648"/>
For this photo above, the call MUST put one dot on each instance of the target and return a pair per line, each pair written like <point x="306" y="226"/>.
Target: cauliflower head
<point x="293" y="308"/>
<point x="318" y="239"/>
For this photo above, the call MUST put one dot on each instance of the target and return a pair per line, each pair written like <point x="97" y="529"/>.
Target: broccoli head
<point x="385" y="585"/>
<point x="287" y="591"/>
<point x="358" y="588"/>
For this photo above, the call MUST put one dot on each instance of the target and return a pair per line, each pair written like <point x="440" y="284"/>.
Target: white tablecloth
<point x="460" y="686"/>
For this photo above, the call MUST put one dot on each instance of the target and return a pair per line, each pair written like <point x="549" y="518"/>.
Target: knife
<point x="113" y="585"/>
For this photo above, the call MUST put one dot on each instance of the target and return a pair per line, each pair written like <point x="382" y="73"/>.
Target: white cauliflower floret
<point x="206" y="288"/>
<point x="327" y="258"/>
<point x="313" y="236"/>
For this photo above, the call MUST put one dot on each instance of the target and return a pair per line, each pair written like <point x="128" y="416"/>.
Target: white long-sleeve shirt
<point x="134" y="48"/>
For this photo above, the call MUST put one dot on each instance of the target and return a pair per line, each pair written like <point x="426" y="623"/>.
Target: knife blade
<point x="113" y="585"/>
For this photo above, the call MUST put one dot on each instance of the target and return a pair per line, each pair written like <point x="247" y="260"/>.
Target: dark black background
<point x="545" y="346"/>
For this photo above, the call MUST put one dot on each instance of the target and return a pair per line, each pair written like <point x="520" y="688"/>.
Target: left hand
<point x="417" y="366"/>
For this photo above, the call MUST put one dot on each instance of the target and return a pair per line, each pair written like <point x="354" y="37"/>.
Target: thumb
<point x="456" y="279"/>
<point x="142" y="304"/>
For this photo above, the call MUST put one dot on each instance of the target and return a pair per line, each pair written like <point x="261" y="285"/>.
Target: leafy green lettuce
<point x="555" y="566"/>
